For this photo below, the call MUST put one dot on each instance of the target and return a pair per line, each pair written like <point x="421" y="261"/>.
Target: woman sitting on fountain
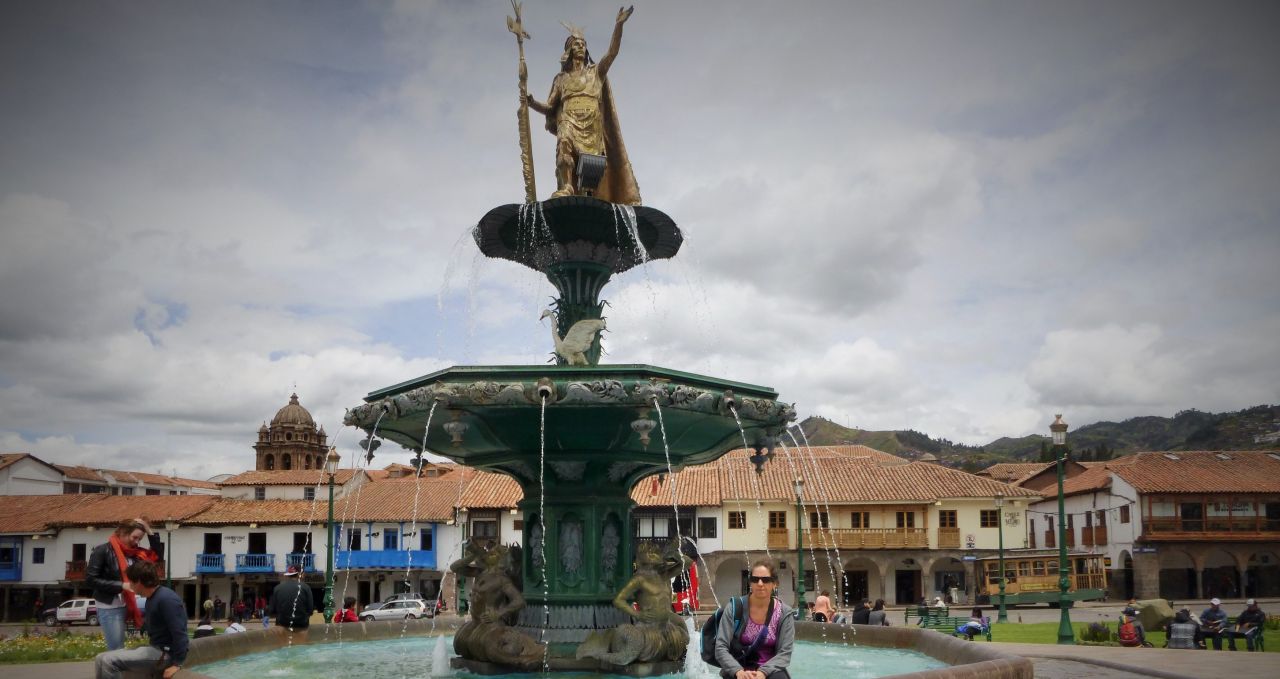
<point x="659" y="633"/>
<point x="744" y="657"/>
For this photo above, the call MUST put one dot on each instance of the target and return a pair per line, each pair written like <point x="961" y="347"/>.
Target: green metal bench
<point x="919" y="612"/>
<point x="948" y="625"/>
<point x="1257" y="641"/>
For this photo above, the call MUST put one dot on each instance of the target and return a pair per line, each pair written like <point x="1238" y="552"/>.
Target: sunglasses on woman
<point x="762" y="579"/>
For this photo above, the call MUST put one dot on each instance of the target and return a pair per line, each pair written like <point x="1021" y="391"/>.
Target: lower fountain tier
<point x="614" y="424"/>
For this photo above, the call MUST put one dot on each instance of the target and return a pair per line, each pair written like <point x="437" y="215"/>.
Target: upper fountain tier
<point x="577" y="229"/>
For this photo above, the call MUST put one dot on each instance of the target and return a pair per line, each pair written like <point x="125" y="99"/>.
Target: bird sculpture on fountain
<point x="575" y="343"/>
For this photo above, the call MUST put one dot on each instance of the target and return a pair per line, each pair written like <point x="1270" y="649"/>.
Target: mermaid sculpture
<point x="658" y="633"/>
<point x="495" y="599"/>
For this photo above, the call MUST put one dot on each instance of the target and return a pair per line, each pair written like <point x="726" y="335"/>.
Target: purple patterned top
<point x="770" y="645"/>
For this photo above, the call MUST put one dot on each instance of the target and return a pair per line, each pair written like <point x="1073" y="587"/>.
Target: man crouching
<point x="166" y="626"/>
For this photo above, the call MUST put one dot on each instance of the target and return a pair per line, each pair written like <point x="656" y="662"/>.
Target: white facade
<point x="29" y="476"/>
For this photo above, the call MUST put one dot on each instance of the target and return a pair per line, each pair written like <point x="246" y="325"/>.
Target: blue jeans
<point x="112" y="621"/>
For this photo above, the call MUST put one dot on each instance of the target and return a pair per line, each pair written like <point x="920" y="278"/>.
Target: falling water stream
<point x="680" y="538"/>
<point x="413" y="525"/>
<point x="542" y="543"/>
<point x="759" y="505"/>
<point x="824" y="497"/>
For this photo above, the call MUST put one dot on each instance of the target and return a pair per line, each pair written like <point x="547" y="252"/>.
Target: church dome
<point x="293" y="413"/>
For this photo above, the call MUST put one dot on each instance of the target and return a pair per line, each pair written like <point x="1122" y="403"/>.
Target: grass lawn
<point x="40" y="646"/>
<point x="1047" y="633"/>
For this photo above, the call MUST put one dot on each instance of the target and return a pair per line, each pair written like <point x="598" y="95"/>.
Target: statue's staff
<point x="516" y="26"/>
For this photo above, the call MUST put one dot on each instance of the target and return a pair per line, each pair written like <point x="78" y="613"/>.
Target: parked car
<point x="403" y="596"/>
<point x="72" y="611"/>
<point x="399" y="610"/>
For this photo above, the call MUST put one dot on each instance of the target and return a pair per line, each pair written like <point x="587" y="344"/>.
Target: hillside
<point x="1246" y="429"/>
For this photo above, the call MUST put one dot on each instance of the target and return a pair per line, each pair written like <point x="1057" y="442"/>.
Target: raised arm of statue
<point x="615" y="42"/>
<point x="622" y="602"/>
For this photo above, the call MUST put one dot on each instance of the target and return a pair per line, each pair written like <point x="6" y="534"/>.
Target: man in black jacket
<point x="166" y="626"/>
<point x="291" y="602"/>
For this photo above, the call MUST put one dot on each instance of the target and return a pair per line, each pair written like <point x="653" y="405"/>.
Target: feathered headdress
<point x="575" y="31"/>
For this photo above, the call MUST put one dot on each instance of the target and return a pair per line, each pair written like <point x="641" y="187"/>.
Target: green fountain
<point x="576" y="435"/>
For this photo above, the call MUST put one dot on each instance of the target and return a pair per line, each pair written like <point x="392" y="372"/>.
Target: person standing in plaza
<point x="106" y="575"/>
<point x="165" y="625"/>
<point x="291" y="602"/>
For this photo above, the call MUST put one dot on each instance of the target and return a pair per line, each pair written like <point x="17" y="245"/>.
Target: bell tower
<point x="292" y="441"/>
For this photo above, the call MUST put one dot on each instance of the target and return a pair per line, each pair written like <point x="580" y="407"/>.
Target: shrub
<point x="1095" y="633"/>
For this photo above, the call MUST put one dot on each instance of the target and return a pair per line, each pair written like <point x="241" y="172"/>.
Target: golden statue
<point x="580" y="112"/>
<point x="659" y="633"/>
<point x="495" y="600"/>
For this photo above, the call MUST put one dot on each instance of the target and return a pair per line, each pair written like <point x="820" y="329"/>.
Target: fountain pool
<point x="410" y="657"/>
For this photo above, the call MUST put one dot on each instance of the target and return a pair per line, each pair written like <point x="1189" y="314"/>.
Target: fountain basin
<point x="963" y="659"/>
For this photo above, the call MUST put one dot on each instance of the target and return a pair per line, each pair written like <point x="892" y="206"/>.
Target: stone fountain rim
<point x="964" y="658"/>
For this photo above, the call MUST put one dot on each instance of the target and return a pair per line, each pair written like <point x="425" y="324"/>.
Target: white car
<point x="399" y="610"/>
<point x="72" y="611"/>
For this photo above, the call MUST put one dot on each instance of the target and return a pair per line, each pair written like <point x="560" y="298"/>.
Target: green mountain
<point x="1253" y="428"/>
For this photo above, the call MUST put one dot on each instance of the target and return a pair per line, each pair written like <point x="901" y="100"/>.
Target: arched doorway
<point x="1263" y="572"/>
<point x="730" y="578"/>
<point x="948" y="580"/>
<point x="1177" y="575"/>
<point x="908" y="587"/>
<point x="860" y="579"/>
<point x="1123" y="581"/>
<point x="1220" y="577"/>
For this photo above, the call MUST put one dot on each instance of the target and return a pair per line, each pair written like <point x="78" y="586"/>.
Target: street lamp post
<point x="331" y="467"/>
<point x="799" y="485"/>
<point x="1004" y="614"/>
<point x="169" y="527"/>
<point x="1065" y="635"/>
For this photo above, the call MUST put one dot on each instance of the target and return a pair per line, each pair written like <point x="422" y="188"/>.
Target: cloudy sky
<point x="957" y="217"/>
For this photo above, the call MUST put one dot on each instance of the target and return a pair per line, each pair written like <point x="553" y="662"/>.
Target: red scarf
<point x="122" y="551"/>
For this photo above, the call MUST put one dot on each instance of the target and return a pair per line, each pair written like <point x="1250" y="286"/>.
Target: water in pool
<point x="411" y="658"/>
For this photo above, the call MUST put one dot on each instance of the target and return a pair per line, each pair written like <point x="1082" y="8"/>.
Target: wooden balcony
<point x="948" y="538"/>
<point x="866" y="538"/>
<point x="1214" y="528"/>
<point x="75" y="570"/>
<point x="780" y="538"/>
<point x="1095" y="536"/>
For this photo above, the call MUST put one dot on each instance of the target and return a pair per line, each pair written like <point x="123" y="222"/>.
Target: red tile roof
<point x="1095" y="478"/>
<point x="33" y="513"/>
<point x="1204" y="471"/>
<point x="489" y="490"/>
<point x="292" y="477"/>
<point x="80" y="473"/>
<point x="266" y="512"/>
<point x="840" y="479"/>
<point x="109" y="510"/>
<point x="1012" y="472"/>
<point x="694" y="487"/>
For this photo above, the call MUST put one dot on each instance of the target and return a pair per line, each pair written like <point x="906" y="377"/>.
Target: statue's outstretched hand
<point x="624" y="13"/>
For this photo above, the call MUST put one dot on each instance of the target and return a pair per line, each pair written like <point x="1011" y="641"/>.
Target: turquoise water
<point x="411" y="657"/>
